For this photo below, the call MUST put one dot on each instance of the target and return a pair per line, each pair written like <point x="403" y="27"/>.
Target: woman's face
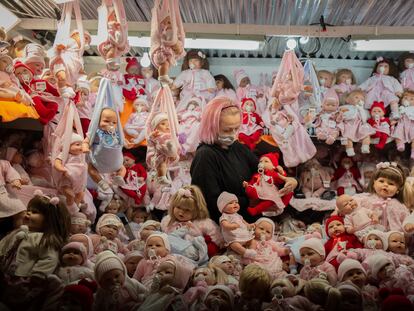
<point x="229" y="126"/>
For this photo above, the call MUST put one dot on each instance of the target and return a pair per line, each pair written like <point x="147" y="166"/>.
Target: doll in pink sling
<point x="252" y="125"/>
<point x="406" y="67"/>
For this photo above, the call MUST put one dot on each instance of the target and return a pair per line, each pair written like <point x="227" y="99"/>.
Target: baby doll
<point x="73" y="264"/>
<point x="252" y="125"/>
<point x="74" y="171"/>
<point x="326" y="123"/>
<point x="383" y="86"/>
<point x="116" y="291"/>
<point x="84" y="101"/>
<point x="339" y="240"/>
<point x="264" y="186"/>
<point x="355" y="127"/>
<point x="403" y="130"/>
<point x="152" y="85"/>
<point x="380" y="123"/>
<point x="137" y="216"/>
<point x="107" y="230"/>
<point x="87" y="242"/>
<point x="9" y="204"/>
<point x="79" y="223"/>
<point x="312" y="254"/>
<point x="244" y="87"/>
<point x="319" y="291"/>
<point x="236" y="231"/>
<point x="326" y="79"/>
<point x="357" y="220"/>
<point x="230" y="266"/>
<point x="135" y="179"/>
<point x="315" y="179"/>
<point x="218" y="297"/>
<point x="134" y="82"/>
<point x="34" y="58"/>
<point x="189" y="123"/>
<point x="344" y="81"/>
<point x="161" y="149"/>
<point x="131" y="261"/>
<point x="135" y="126"/>
<point x="224" y="87"/>
<point x="346" y="177"/>
<point x="15" y="157"/>
<point x="398" y="251"/>
<point x="406" y="65"/>
<point x="254" y="287"/>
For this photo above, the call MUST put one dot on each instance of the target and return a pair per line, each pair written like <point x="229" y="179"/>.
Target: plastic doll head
<point x="353" y="271"/>
<point x="224" y="263"/>
<point x="140" y="105"/>
<point x="23" y="73"/>
<point x="147" y="228"/>
<point x="193" y="104"/>
<point x="375" y="240"/>
<point x="49" y="77"/>
<point x="407" y="98"/>
<point x="325" y="78"/>
<point x="147" y="72"/>
<point x="219" y="297"/>
<point x="131" y="261"/>
<point x="166" y="273"/>
<point x="330" y="101"/>
<point x="345" y="76"/>
<point x="73" y="254"/>
<point x="406" y="61"/>
<point x="113" y="207"/>
<point x="282" y="287"/>
<point x="312" y="252"/>
<point x="197" y="58"/>
<point x="254" y="283"/>
<point x="335" y="226"/>
<point x="129" y="159"/>
<point x="108" y="120"/>
<point x="385" y="66"/>
<point x="109" y="231"/>
<point x="346" y="204"/>
<point x="79" y="223"/>
<point x="388" y="181"/>
<point x="6" y="63"/>
<point x="157" y="244"/>
<point x="396" y="243"/>
<point x="377" y="110"/>
<point x="379" y="267"/>
<point x="187" y="204"/>
<point x="160" y="123"/>
<point x="355" y="98"/>
<point x="347" y="162"/>
<point x="108" y="226"/>
<point x="319" y="291"/>
<point x="264" y="229"/>
<point x="351" y="297"/>
<point x="204" y="274"/>
<point x="76" y="144"/>
<point x="248" y="105"/>
<point x="133" y="67"/>
<point x="110" y="271"/>
<point x="223" y="83"/>
<point x="140" y="215"/>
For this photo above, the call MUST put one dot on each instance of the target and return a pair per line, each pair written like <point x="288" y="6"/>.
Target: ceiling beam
<point x="246" y="29"/>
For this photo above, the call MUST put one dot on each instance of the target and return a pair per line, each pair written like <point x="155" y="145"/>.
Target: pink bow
<point x="185" y="192"/>
<point x="380" y="59"/>
<point x="386" y="165"/>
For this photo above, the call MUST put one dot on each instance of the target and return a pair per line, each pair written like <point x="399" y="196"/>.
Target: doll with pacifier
<point x="380" y="123"/>
<point x="252" y="124"/>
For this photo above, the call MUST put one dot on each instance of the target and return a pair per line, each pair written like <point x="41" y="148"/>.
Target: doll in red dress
<point x="252" y="124"/>
<point x="134" y="82"/>
<point x="380" y="124"/>
<point x="135" y="179"/>
<point x="347" y="176"/>
<point x="264" y="186"/>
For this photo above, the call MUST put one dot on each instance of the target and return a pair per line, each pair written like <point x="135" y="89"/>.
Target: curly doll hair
<point x="346" y="71"/>
<point x="393" y="71"/>
<point x="198" y="54"/>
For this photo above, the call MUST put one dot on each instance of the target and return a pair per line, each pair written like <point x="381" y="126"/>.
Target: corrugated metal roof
<point x="260" y="12"/>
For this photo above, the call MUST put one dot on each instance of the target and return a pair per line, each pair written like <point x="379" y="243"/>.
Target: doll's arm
<point x="46" y="263"/>
<point x="85" y="145"/>
<point x="408" y="224"/>
<point x="59" y="166"/>
<point x="318" y="192"/>
<point x="225" y="224"/>
<point x="250" y="226"/>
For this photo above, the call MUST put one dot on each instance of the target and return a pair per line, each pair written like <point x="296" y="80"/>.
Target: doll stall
<point x="206" y="155"/>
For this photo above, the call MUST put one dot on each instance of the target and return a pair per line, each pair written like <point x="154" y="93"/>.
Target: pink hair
<point x="210" y="119"/>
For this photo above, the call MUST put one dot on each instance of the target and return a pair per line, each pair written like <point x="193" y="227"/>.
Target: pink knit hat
<point x="163" y="236"/>
<point x="133" y="254"/>
<point x="108" y="220"/>
<point x="315" y="244"/>
<point x="268" y="220"/>
<point x="158" y="118"/>
<point x="76" y="138"/>
<point x="224" y="199"/>
<point x="79" y="218"/>
<point x="375" y="263"/>
<point x="77" y="246"/>
<point x="239" y="75"/>
<point x="84" y="239"/>
<point x="183" y="271"/>
<point x="107" y="261"/>
<point x="348" y="265"/>
<point x="382" y="235"/>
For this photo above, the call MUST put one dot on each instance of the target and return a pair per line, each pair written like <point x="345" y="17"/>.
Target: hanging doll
<point x="15" y="157"/>
<point x="34" y="58"/>
<point x="84" y="102"/>
<point x="327" y="120"/>
<point x="167" y="37"/>
<point x="189" y="123"/>
<point x="244" y="87"/>
<point x="135" y="126"/>
<point x="326" y="80"/>
<point x="135" y="179"/>
<point x="355" y="127"/>
<point x="252" y="125"/>
<point x="105" y="139"/>
<point x="41" y="92"/>
<point x="380" y="123"/>
<point x="152" y="85"/>
<point x="264" y="186"/>
<point x="403" y="131"/>
<point x="406" y="67"/>
<point x="134" y="84"/>
<point x="344" y="81"/>
<point x="383" y="86"/>
<point x="347" y="176"/>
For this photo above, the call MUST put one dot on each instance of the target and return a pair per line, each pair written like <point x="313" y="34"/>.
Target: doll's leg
<point x="162" y="173"/>
<point x="79" y="197"/>
<point x="260" y="208"/>
<point x="251" y="192"/>
<point x="382" y="140"/>
<point x="61" y="77"/>
<point x="350" y="148"/>
<point x="412" y="149"/>
<point x="69" y="194"/>
<point x="241" y="250"/>
<point x="400" y="145"/>
<point x="365" y="144"/>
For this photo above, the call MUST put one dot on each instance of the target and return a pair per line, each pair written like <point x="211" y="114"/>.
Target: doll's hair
<point x="319" y="291"/>
<point x="408" y="193"/>
<point x="117" y="201"/>
<point x="348" y="95"/>
<point x="393" y="172"/>
<point x="195" y="54"/>
<point x="407" y="92"/>
<point x="56" y="220"/>
<point x="346" y="71"/>
<point x="219" y="275"/>
<point x="393" y="71"/>
<point x="285" y="283"/>
<point x="210" y="118"/>
<point x="226" y="82"/>
<point x="192" y="198"/>
<point x="18" y="46"/>
<point x="327" y="72"/>
<point x="254" y="276"/>
<point x="132" y="210"/>
<point x="402" y="58"/>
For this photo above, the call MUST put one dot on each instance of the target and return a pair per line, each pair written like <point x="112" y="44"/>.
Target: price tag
<point x="332" y="124"/>
<point x="40" y="86"/>
<point x="344" y="141"/>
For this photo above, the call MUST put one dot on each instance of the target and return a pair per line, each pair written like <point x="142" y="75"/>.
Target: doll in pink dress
<point x="244" y="87"/>
<point x="326" y="80"/>
<point x="355" y="127"/>
<point x="380" y="123"/>
<point x="398" y="251"/>
<point x="383" y="86"/>
<point x="134" y="83"/>
<point x="346" y="177"/>
<point x="406" y="67"/>
<point x="345" y="81"/>
<point x="224" y="87"/>
<point x="404" y="130"/>
<point x="152" y="85"/>
<point x="252" y="125"/>
<point x="236" y="231"/>
<point x="135" y="126"/>
<point x="189" y="123"/>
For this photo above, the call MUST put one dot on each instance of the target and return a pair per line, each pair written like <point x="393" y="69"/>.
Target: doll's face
<point x="356" y="98"/>
<point x="330" y="105"/>
<point x="385" y="188"/>
<point x="347" y="163"/>
<point x="76" y="148"/>
<point x="6" y="65"/>
<point x="78" y="228"/>
<point x="128" y="162"/>
<point x="132" y="264"/>
<point x="374" y="242"/>
<point x="311" y="257"/>
<point x="24" y="75"/>
<point x="248" y="106"/>
<point x="194" y="63"/>
<point x="140" y="216"/>
<point x="227" y="267"/>
<point x="108" y="120"/>
<point x="385" y="272"/>
<point x="346" y="204"/>
<point x="335" y="228"/>
<point x="140" y="107"/>
<point x="219" y="84"/>
<point x="163" y="126"/>
<point x="192" y="106"/>
<point x="36" y="67"/>
<point x="377" y="112"/>
<point x="206" y="274"/>
<point x="112" y="278"/>
<point x="183" y="213"/>
<point x="109" y="231"/>
<point x="133" y="70"/>
<point x="409" y="63"/>
<point x="396" y="243"/>
<point x="218" y="300"/>
<point x="34" y="220"/>
<point x="282" y="121"/>
<point x="112" y="208"/>
<point x="72" y="257"/>
<point x="325" y="79"/>
<point x="166" y="271"/>
<point x="147" y="72"/>
<point x="263" y="230"/>
<point x="17" y="158"/>
<point x="232" y="207"/>
<point x="383" y="68"/>
<point x="266" y="163"/>
<point x="288" y="290"/>
<point x="244" y="82"/>
<point x="147" y="231"/>
<point x="356" y="276"/>
<point x="408" y="99"/>
<point x="157" y="244"/>
<point x="345" y="78"/>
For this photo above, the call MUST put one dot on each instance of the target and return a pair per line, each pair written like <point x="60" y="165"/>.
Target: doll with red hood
<point x="264" y="186"/>
<point x="339" y="240"/>
<point x="135" y="179"/>
<point x="347" y="176"/>
<point x="380" y="123"/>
<point x="252" y="124"/>
<point x="134" y="82"/>
<point x="43" y="94"/>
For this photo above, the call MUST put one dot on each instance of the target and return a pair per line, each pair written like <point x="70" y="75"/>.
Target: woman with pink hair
<point x="221" y="163"/>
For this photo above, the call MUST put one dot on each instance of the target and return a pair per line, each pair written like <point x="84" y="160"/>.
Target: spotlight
<point x="291" y="43"/>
